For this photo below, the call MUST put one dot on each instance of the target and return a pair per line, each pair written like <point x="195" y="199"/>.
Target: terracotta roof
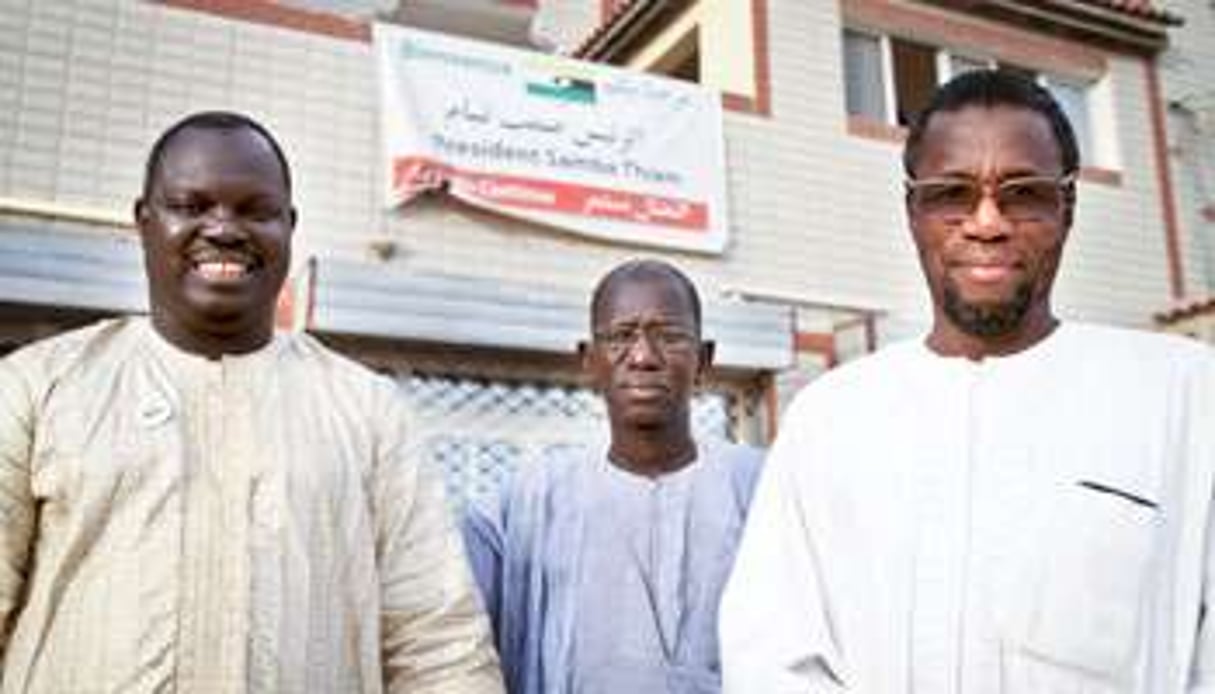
<point x="1187" y="309"/>
<point x="622" y="9"/>
<point x="1143" y="9"/>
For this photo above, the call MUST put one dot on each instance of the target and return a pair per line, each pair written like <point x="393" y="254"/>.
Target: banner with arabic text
<point x="588" y="148"/>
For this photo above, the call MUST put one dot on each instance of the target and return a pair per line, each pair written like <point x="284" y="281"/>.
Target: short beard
<point x="988" y="321"/>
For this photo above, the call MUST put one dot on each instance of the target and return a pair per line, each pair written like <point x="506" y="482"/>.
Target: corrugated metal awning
<point x="368" y="300"/>
<point x="59" y="265"/>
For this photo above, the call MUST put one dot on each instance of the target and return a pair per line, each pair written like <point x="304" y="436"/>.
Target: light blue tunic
<point x="600" y="580"/>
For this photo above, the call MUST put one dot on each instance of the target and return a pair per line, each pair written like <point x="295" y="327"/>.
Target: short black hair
<point x="210" y="120"/>
<point x="990" y="88"/>
<point x="645" y="269"/>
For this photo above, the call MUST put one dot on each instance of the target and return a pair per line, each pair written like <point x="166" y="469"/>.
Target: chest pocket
<point x="1090" y="584"/>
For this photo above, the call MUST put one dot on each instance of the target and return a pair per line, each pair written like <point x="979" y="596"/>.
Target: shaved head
<point x="645" y="270"/>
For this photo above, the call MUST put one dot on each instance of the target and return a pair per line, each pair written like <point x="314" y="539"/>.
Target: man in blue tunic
<point x="602" y="571"/>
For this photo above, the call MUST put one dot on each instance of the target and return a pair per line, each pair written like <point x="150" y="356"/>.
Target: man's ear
<point x="584" y="355"/>
<point x="707" y="350"/>
<point x="293" y="216"/>
<point x="139" y="211"/>
<point x="588" y="375"/>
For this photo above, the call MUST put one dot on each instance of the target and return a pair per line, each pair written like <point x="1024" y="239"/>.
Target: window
<point x="915" y="77"/>
<point x="717" y="44"/>
<point x="867" y="92"/>
<point x="889" y="79"/>
<point x="1073" y="99"/>
<point x="864" y="93"/>
<point x="959" y="64"/>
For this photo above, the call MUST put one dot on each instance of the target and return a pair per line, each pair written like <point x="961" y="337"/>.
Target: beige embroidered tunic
<point x="256" y="523"/>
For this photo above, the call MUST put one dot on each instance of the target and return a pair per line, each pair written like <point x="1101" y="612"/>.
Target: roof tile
<point x="1143" y="9"/>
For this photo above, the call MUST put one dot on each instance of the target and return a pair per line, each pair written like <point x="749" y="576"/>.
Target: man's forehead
<point x="997" y="124"/>
<point x="1006" y="137"/>
<point x="651" y="297"/>
<point x="198" y="152"/>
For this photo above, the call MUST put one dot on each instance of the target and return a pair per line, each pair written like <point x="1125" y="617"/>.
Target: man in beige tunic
<point x="190" y="502"/>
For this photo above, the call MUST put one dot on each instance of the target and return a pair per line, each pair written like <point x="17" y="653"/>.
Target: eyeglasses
<point x="1020" y="199"/>
<point x="668" y="339"/>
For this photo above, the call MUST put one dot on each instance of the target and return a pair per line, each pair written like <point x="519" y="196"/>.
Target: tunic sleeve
<point x="17" y="506"/>
<point x="481" y="529"/>
<point x="1202" y="447"/>
<point x="774" y="628"/>
<point x="1202" y="674"/>
<point x="435" y="637"/>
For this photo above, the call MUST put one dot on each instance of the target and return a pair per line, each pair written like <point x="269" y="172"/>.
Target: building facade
<point x="476" y="313"/>
<point x="1187" y="70"/>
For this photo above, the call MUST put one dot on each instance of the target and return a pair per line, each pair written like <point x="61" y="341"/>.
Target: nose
<point x="222" y="224"/>
<point x="987" y="222"/>
<point x="643" y="353"/>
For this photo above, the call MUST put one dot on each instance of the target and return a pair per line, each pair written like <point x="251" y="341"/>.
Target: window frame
<point x="885" y="68"/>
<point x="865" y="125"/>
<point x="755" y="98"/>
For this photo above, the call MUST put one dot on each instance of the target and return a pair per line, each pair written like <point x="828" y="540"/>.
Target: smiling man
<point x="602" y="571"/>
<point x="216" y="221"/>
<point x="193" y="503"/>
<point x="1009" y="505"/>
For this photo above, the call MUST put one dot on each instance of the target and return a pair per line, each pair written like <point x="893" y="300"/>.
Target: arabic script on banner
<point x="588" y="148"/>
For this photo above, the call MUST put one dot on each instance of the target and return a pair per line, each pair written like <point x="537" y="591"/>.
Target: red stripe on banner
<point x="412" y="175"/>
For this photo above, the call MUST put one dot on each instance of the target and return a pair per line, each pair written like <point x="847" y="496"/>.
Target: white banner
<point x="588" y="148"/>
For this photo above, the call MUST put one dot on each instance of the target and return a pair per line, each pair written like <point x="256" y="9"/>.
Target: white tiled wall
<point x="1188" y="76"/>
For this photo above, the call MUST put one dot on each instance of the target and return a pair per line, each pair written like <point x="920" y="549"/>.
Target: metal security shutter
<point x="376" y="301"/>
<point x="479" y="431"/>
